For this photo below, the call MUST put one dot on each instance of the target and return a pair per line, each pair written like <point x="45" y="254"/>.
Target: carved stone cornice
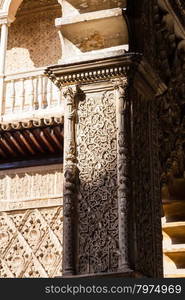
<point x="92" y="71"/>
<point x="130" y="65"/>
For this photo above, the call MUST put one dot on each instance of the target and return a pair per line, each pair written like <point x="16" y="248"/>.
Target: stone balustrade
<point x="30" y="95"/>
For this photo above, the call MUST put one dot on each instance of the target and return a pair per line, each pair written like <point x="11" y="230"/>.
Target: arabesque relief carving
<point x="98" y="243"/>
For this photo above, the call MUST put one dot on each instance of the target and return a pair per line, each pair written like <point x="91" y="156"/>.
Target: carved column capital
<point x="70" y="114"/>
<point x="120" y="84"/>
<point x="121" y="88"/>
<point x="69" y="93"/>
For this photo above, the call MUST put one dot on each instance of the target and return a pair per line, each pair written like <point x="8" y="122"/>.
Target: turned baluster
<point x="44" y="97"/>
<point x="12" y="94"/>
<point x="49" y="92"/>
<point x="59" y="97"/>
<point x="22" y="94"/>
<point x="40" y="91"/>
<point x="31" y="93"/>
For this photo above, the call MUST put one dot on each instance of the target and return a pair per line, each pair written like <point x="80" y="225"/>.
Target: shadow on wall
<point x="33" y="41"/>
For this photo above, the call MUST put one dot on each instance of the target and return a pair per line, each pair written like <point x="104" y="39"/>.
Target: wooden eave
<point x="31" y="140"/>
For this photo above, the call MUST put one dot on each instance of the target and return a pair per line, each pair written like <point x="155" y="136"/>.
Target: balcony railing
<point x="30" y="95"/>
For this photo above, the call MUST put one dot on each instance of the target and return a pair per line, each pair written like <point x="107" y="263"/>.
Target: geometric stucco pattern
<point x="31" y="243"/>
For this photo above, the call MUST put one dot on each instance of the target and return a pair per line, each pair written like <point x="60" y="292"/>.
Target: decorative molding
<point x="92" y="71"/>
<point x="132" y="65"/>
<point x="32" y="123"/>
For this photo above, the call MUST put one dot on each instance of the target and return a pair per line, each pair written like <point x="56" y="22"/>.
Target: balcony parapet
<point x="30" y="96"/>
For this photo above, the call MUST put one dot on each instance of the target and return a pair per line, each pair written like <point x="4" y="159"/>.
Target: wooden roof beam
<point x="7" y="146"/>
<point x="51" y="133"/>
<point x="30" y="149"/>
<point x="2" y="153"/>
<point x="34" y="140"/>
<point x="47" y="143"/>
<point x="13" y="140"/>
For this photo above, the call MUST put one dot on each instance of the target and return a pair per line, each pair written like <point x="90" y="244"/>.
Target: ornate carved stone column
<point x="123" y="167"/>
<point x="70" y="183"/>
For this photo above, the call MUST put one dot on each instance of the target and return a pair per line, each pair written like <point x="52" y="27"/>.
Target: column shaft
<point x="3" y="48"/>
